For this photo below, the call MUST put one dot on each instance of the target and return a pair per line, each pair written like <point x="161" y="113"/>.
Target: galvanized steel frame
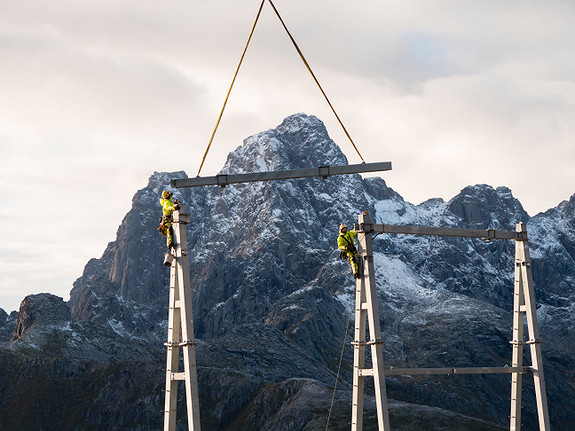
<point x="366" y="306"/>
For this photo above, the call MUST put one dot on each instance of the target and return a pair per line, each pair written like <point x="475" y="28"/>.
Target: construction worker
<point x="348" y="250"/>
<point x="168" y="207"/>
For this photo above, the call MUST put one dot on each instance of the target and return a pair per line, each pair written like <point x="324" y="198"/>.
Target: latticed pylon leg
<point x="524" y="306"/>
<point x="366" y="308"/>
<point x="181" y="333"/>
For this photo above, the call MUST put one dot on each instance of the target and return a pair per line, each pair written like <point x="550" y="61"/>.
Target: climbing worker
<point x="168" y="207"/>
<point x="348" y="250"/>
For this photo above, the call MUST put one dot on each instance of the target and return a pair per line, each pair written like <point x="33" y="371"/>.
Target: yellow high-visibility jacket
<point x="345" y="239"/>
<point x="167" y="206"/>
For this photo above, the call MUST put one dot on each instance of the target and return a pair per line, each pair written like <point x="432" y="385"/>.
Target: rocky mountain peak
<point x="300" y="141"/>
<point x="42" y="309"/>
<point x="567" y="208"/>
<point x="483" y="207"/>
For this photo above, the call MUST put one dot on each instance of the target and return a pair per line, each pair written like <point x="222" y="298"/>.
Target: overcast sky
<point x="96" y="96"/>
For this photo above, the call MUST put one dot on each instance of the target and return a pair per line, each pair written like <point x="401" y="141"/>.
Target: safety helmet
<point x="342" y="226"/>
<point x="166" y="194"/>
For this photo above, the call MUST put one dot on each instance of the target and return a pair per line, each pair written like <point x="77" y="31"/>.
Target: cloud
<point x="95" y="97"/>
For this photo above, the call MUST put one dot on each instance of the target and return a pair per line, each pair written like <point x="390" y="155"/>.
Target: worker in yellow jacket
<point x="168" y="207"/>
<point x="347" y="247"/>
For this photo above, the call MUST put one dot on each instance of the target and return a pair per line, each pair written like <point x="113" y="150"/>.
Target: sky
<point x="96" y="96"/>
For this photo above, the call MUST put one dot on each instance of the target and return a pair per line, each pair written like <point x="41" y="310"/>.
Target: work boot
<point x="168" y="259"/>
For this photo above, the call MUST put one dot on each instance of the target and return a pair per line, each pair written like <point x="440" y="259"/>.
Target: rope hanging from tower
<point x="306" y="65"/>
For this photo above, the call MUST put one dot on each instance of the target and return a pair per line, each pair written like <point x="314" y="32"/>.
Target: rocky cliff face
<point x="40" y="311"/>
<point x="271" y="301"/>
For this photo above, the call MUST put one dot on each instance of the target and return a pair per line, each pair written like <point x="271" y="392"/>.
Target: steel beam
<point x="452" y="371"/>
<point x="321" y="171"/>
<point x="487" y="234"/>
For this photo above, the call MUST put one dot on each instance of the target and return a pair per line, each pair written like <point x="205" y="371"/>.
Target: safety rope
<point x="232" y="84"/>
<point x="338" y="368"/>
<point x="307" y="66"/>
<point x="342" y="347"/>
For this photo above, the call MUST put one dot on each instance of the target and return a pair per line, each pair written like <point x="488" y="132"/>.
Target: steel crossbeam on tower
<point x="487" y="234"/>
<point x="321" y="171"/>
<point x="523" y="311"/>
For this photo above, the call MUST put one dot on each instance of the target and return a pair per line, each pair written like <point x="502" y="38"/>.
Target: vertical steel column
<point x="518" y="341"/>
<point x="358" y="356"/>
<point x="174" y="319"/>
<point x="366" y="306"/>
<point x="523" y="265"/>
<point x="181" y="332"/>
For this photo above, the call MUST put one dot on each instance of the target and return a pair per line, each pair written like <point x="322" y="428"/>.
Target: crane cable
<point x="307" y="66"/>
<point x="342" y="346"/>
<point x="232" y="84"/>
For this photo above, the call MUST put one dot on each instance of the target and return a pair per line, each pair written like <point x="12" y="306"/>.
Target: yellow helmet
<point x="166" y="194"/>
<point x="342" y="226"/>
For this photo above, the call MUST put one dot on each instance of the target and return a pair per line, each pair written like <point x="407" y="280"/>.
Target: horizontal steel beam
<point x="439" y="231"/>
<point x="451" y="371"/>
<point x="321" y="171"/>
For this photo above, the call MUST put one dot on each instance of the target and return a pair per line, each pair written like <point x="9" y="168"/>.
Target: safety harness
<point x="350" y="247"/>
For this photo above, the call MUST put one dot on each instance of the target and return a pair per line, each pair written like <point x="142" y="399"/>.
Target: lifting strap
<point x="231" y="85"/>
<point x="304" y="61"/>
<point x="315" y="79"/>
